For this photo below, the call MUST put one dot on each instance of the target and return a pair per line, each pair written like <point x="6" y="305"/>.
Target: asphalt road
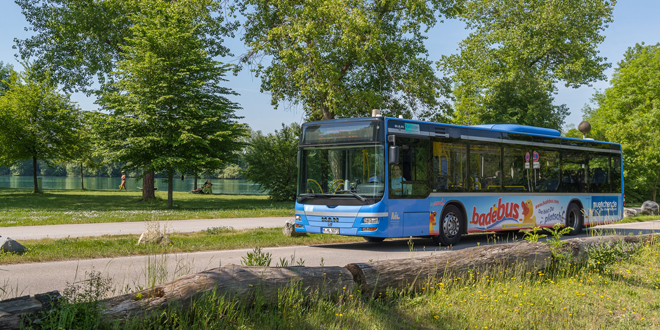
<point x="122" y="228"/>
<point x="130" y="273"/>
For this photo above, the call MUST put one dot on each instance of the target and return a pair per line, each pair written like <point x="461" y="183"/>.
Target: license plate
<point x="334" y="231"/>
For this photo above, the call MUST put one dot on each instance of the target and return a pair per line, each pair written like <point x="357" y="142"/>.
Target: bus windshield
<point x="348" y="172"/>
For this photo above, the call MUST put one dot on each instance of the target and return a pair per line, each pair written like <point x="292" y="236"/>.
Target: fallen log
<point x="13" y="311"/>
<point x="239" y="282"/>
<point x="576" y="248"/>
<point x="413" y="273"/>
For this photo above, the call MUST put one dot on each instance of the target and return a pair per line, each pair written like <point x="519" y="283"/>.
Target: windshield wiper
<point x="311" y="196"/>
<point x="362" y="199"/>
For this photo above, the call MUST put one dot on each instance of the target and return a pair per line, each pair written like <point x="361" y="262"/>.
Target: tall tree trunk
<point x="148" y="185"/>
<point x="170" y="185"/>
<point x="34" y="173"/>
<point x="195" y="181"/>
<point x="82" y="183"/>
<point x="327" y="115"/>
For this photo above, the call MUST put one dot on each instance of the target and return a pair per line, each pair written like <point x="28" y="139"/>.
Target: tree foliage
<point x="526" y="46"/>
<point x="628" y="112"/>
<point x="80" y="42"/>
<point x="271" y="161"/>
<point x="39" y="123"/>
<point x="167" y="109"/>
<point x="6" y="71"/>
<point x="83" y="152"/>
<point x="341" y="58"/>
<point x="522" y="101"/>
<point x="76" y="41"/>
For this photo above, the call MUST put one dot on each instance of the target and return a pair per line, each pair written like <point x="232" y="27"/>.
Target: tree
<point x="81" y="42"/>
<point x="340" y="58"/>
<point x="628" y="112"/>
<point x="6" y="71"/>
<point x="39" y="123"/>
<point x="522" y="101"/>
<point x="274" y="151"/>
<point x="82" y="152"/>
<point x="527" y="46"/>
<point x="167" y="110"/>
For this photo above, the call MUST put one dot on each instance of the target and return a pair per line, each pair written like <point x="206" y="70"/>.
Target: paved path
<point x="123" y="228"/>
<point x="137" y="272"/>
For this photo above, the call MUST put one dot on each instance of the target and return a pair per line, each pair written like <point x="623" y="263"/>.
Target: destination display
<point x="342" y="133"/>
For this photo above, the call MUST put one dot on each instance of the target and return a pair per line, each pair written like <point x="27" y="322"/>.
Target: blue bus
<point x="381" y="177"/>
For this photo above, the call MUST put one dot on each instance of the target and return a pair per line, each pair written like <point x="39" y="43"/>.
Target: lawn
<point x="19" y="207"/>
<point x="216" y="238"/>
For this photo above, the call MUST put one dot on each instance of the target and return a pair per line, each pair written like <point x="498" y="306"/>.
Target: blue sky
<point x="634" y="21"/>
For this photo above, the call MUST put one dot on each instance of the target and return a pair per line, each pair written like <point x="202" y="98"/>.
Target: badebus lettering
<point x="496" y="213"/>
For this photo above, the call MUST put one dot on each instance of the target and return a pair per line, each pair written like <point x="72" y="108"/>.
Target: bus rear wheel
<point x="374" y="239"/>
<point x="451" y="226"/>
<point x="574" y="219"/>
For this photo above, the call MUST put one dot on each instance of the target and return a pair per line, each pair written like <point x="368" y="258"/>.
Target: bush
<point x="604" y="254"/>
<point x="271" y="162"/>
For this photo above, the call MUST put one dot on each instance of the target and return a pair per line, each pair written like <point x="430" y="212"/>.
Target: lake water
<point x="220" y="186"/>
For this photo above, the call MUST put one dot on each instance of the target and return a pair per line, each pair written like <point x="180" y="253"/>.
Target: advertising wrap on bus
<point x="525" y="212"/>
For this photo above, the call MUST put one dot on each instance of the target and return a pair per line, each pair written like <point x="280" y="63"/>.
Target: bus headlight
<point x="370" y="220"/>
<point x="298" y="218"/>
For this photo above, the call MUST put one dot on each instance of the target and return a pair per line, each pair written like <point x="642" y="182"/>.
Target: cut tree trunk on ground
<point x="12" y="310"/>
<point x="414" y="273"/>
<point x="239" y="282"/>
<point x="577" y="247"/>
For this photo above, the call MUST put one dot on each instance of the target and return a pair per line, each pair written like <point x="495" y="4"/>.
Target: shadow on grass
<point x="103" y="200"/>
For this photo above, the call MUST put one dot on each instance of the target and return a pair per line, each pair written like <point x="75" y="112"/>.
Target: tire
<point x="574" y="218"/>
<point x="374" y="239"/>
<point x="451" y="226"/>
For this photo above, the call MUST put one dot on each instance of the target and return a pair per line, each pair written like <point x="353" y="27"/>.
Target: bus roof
<point x="520" y="129"/>
<point x="505" y="128"/>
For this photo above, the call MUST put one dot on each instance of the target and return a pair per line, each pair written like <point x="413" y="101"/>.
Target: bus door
<point x="409" y="189"/>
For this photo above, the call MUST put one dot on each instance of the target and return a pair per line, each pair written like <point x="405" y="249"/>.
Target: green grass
<point x="19" y="207"/>
<point x="640" y="218"/>
<point x="625" y="296"/>
<point x="125" y="245"/>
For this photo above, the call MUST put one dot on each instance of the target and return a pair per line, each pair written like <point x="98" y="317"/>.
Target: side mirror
<point x="393" y="155"/>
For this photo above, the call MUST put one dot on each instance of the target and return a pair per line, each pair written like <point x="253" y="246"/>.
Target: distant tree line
<point x="24" y="168"/>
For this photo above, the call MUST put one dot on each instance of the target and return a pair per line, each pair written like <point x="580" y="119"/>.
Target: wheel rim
<point x="572" y="219"/>
<point x="450" y="225"/>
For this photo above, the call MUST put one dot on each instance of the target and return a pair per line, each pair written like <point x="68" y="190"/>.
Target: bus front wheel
<point x="451" y="226"/>
<point x="574" y="219"/>
<point x="374" y="239"/>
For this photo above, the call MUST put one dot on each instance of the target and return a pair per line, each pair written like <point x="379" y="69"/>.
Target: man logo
<point x="330" y="219"/>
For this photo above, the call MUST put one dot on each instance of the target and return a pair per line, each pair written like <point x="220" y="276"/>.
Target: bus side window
<point x="574" y="165"/>
<point x="516" y="177"/>
<point x="599" y="168"/>
<point x="485" y="171"/>
<point x="548" y="178"/>
<point x="449" y="166"/>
